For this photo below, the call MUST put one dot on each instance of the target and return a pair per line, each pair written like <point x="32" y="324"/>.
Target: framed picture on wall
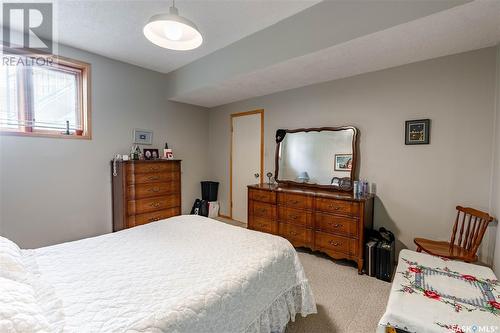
<point x="143" y="137"/>
<point x="417" y="132"/>
<point x="343" y="162"/>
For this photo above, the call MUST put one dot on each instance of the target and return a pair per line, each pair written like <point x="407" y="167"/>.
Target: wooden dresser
<point x="145" y="191"/>
<point x="331" y="222"/>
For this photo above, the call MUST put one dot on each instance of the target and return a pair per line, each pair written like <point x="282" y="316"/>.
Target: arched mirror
<point x="323" y="157"/>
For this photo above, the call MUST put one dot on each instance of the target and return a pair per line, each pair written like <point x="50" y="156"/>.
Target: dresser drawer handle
<point x="155" y="204"/>
<point x="263" y="210"/>
<point x="293" y="233"/>
<point x="154" y="219"/>
<point x="333" y="207"/>
<point x="294" y="217"/>
<point x="154" y="178"/>
<point x="334" y="243"/>
<point x="259" y="197"/>
<point x="336" y="225"/>
<point x="154" y="189"/>
<point x="294" y="202"/>
<point x="154" y="169"/>
<point x="262" y="225"/>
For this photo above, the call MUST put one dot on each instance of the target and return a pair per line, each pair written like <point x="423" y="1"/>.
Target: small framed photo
<point x="417" y="132"/>
<point x="343" y="162"/>
<point x="143" y="137"/>
<point x="151" y="154"/>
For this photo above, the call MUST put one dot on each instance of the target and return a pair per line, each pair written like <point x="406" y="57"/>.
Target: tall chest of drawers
<point x="145" y="191"/>
<point x="330" y="222"/>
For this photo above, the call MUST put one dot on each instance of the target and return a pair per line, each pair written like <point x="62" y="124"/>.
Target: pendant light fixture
<point x="172" y="31"/>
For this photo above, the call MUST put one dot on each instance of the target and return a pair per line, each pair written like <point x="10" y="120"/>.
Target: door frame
<point x="242" y="114"/>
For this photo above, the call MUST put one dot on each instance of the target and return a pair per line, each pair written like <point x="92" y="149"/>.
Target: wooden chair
<point x="468" y="231"/>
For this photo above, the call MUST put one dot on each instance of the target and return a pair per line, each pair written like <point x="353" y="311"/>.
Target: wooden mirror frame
<point x="280" y="135"/>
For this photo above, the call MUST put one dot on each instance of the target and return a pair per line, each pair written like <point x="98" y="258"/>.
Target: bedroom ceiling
<point x="114" y="28"/>
<point x="460" y="28"/>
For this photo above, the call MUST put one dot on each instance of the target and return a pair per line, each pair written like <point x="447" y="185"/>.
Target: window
<point x="44" y="98"/>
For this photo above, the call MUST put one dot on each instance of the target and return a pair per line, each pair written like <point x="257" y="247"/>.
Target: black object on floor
<point x="200" y="207"/>
<point x="386" y="255"/>
<point x="209" y="190"/>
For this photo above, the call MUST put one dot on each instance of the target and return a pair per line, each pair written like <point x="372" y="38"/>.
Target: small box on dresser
<point x="145" y="191"/>
<point x="331" y="222"/>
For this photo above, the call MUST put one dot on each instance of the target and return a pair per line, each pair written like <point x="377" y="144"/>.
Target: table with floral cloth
<point x="433" y="294"/>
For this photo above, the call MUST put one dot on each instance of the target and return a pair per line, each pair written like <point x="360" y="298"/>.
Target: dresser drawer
<point x="295" y="216"/>
<point x="147" y="190"/>
<point x="152" y="217"/>
<point x="298" y="236"/>
<point x="336" y="224"/>
<point x="295" y="200"/>
<point x="336" y="243"/>
<point x="263" y="225"/>
<point x="153" y="204"/>
<point x="142" y="178"/>
<point x="152" y="167"/>
<point x="337" y="206"/>
<point x="263" y="210"/>
<point x="263" y="196"/>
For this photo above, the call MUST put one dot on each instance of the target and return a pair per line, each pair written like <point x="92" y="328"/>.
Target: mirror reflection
<point x="321" y="158"/>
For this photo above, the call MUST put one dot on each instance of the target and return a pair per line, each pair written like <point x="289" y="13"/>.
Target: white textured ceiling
<point x="114" y="28"/>
<point x="463" y="28"/>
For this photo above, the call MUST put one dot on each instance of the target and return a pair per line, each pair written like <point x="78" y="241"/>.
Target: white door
<point x="246" y="159"/>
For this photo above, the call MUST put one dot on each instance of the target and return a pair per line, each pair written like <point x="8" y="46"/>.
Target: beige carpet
<point x="346" y="302"/>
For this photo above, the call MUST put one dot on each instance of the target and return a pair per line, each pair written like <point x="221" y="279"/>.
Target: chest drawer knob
<point x="154" y="169"/>
<point x="335" y="225"/>
<point x="294" y="202"/>
<point x="294" y="217"/>
<point x="334" y="243"/>
<point x="155" y="204"/>
<point x="154" y="177"/>
<point x="153" y="219"/>
<point x="293" y="233"/>
<point x="154" y="189"/>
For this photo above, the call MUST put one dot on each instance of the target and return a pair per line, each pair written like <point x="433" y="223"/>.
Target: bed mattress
<point x="183" y="274"/>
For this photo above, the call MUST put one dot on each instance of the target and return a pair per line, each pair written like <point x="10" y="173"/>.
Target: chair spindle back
<point x="468" y="231"/>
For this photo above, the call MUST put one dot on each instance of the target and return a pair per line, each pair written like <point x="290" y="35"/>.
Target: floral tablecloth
<point x="433" y="294"/>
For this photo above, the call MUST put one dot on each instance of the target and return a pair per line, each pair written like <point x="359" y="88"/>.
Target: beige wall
<point x="418" y="187"/>
<point x="495" y="196"/>
<point x="56" y="190"/>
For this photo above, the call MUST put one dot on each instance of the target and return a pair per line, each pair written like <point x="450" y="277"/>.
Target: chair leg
<point x="419" y="249"/>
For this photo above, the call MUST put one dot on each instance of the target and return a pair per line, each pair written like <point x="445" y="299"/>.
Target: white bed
<point x="184" y="274"/>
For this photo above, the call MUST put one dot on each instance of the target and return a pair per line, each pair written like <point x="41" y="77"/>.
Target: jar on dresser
<point x="145" y="191"/>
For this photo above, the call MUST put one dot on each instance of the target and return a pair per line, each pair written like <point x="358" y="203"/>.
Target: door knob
<point x="256" y="175"/>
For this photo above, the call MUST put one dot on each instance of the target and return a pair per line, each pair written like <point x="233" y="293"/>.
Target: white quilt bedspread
<point x="184" y="274"/>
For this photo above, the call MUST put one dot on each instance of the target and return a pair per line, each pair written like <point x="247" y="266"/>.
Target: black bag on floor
<point x="386" y="255"/>
<point x="196" y="207"/>
<point x="203" y="208"/>
<point x="200" y="207"/>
